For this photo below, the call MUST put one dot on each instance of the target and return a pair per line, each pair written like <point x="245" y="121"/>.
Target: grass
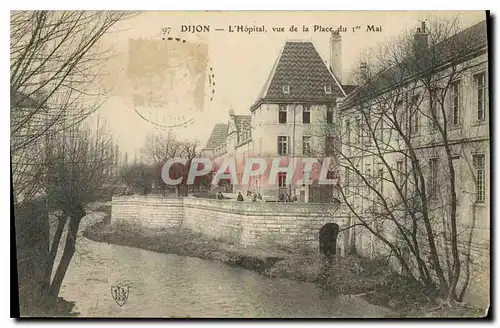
<point x="344" y="275"/>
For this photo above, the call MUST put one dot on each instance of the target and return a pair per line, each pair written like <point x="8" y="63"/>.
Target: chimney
<point x="336" y="55"/>
<point x="421" y="41"/>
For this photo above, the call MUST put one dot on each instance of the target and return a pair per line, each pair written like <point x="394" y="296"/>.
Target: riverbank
<point x="347" y="275"/>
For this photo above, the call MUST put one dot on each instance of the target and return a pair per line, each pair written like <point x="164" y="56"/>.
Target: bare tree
<point x="55" y="69"/>
<point x="75" y="174"/>
<point x="402" y="131"/>
<point x="78" y="172"/>
<point x="159" y="147"/>
<point x="57" y="163"/>
<point x="189" y="152"/>
<point x="141" y="177"/>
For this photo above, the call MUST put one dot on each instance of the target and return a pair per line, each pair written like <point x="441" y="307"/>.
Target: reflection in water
<point x="164" y="285"/>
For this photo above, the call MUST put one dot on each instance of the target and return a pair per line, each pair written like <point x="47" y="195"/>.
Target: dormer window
<point x="328" y="89"/>
<point x="286" y="89"/>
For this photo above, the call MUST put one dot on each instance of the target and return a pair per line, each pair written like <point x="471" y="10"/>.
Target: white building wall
<point x="469" y="137"/>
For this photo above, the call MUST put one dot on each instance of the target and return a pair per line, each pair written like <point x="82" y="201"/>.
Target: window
<point x="415" y="166"/>
<point x="368" y="171"/>
<point x="358" y="130"/>
<point x="414" y="100"/>
<point x="368" y="176"/>
<point x="348" y="131"/>
<point x="433" y="178"/>
<point x="329" y="146"/>
<point x="458" y="179"/>
<point x="415" y="115"/>
<point x="306" y="114"/>
<point x="479" y="166"/>
<point x="347" y="176"/>
<point x="282" y="145"/>
<point x="380" y="136"/>
<point x="328" y="89"/>
<point x="282" y="114"/>
<point x="380" y="178"/>
<point x="367" y="133"/>
<point x="329" y="114"/>
<point x="433" y="113"/>
<point x="400" y="172"/>
<point x="455" y="103"/>
<point x="414" y="122"/>
<point x="306" y="145"/>
<point x="358" y="173"/>
<point x="480" y="82"/>
<point x="286" y="89"/>
<point x="365" y="129"/>
<point x="282" y="179"/>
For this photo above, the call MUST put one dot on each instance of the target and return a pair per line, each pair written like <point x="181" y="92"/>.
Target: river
<point x="167" y="285"/>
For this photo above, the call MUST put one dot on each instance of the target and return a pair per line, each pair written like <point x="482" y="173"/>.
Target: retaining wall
<point x="246" y="223"/>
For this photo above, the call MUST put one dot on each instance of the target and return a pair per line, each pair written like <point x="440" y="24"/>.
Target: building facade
<point x="415" y="146"/>
<point x="292" y="118"/>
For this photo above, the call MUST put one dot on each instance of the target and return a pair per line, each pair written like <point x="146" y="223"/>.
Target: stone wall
<point x="246" y="223"/>
<point x="147" y="211"/>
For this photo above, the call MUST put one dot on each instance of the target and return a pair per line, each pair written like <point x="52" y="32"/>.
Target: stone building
<point x="293" y="117"/>
<point x="412" y="136"/>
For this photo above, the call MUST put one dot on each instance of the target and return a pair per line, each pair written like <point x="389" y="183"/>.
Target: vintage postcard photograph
<point x="250" y="164"/>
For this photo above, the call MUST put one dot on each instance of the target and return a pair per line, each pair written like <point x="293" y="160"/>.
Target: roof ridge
<point x="299" y="40"/>
<point x="333" y="75"/>
<point x="435" y="47"/>
<point x="269" y="79"/>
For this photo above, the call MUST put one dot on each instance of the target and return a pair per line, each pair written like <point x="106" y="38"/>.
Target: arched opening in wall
<point x="328" y="235"/>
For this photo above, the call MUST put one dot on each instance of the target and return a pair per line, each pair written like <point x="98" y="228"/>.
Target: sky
<point x="240" y="62"/>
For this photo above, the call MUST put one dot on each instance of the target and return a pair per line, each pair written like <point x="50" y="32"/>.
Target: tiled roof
<point x="300" y="67"/>
<point x="218" y="136"/>
<point x="244" y="121"/>
<point x="455" y="48"/>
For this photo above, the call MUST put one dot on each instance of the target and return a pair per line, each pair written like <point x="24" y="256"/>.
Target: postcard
<point x="250" y="164"/>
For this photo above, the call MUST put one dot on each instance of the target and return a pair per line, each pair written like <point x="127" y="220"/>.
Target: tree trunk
<point x="467" y="257"/>
<point x="69" y="250"/>
<point x="55" y="242"/>
<point x="32" y="249"/>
